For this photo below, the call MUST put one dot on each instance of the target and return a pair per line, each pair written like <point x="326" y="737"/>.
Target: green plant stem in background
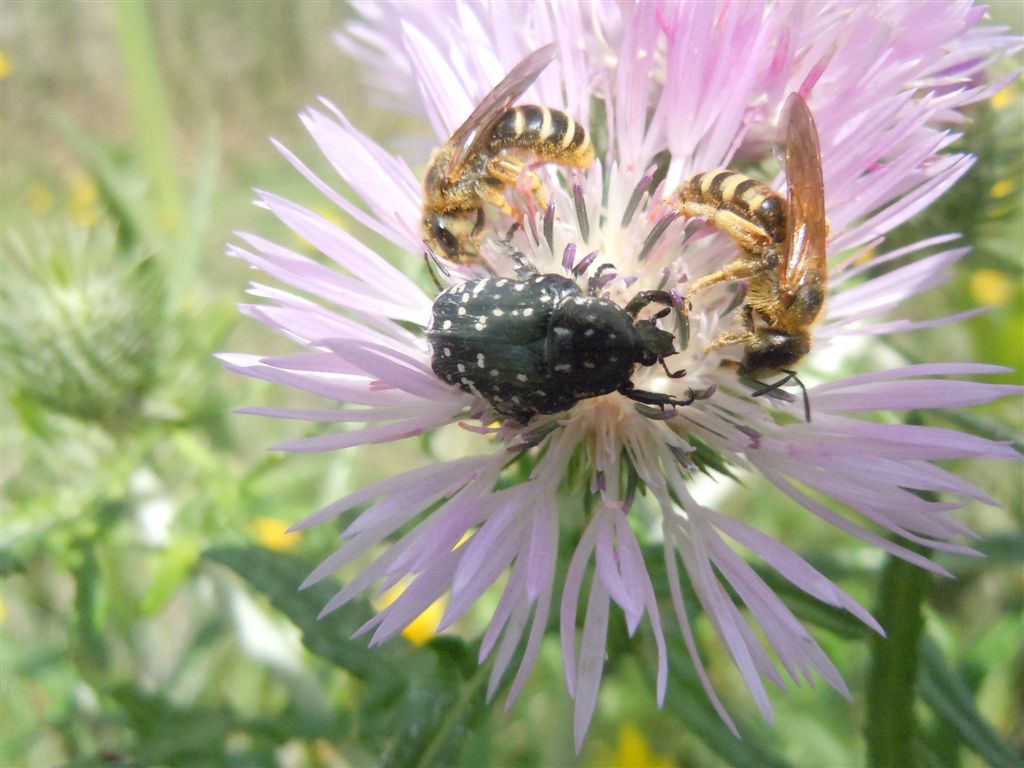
<point x="892" y="680"/>
<point x="152" y="116"/>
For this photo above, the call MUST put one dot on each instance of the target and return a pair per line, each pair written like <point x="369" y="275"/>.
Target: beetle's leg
<point x="597" y="281"/>
<point x="660" y="398"/>
<point x="523" y="266"/>
<point x="671" y="374"/>
<point x="644" y="298"/>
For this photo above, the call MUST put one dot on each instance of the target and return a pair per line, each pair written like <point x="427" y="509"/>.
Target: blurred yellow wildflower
<point x="40" y="198"/>
<point x="85" y="199"/>
<point x="273" y="534"/>
<point x="5" y="65"/>
<point x="423" y="627"/>
<point x="633" y="750"/>
<point x="1004" y="97"/>
<point x="1002" y="188"/>
<point x="990" y="287"/>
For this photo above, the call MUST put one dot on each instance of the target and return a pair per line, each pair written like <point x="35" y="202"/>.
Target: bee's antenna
<point x="790" y="376"/>
<point x="431" y="260"/>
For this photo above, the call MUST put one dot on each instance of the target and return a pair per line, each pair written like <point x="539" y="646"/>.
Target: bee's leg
<point x="741" y="269"/>
<point x="509" y="170"/>
<point x="492" y="191"/>
<point x="725" y="339"/>
<point x="478" y="225"/>
<point x="747" y="235"/>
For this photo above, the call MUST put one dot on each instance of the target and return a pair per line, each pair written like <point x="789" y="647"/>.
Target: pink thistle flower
<point x="885" y="84"/>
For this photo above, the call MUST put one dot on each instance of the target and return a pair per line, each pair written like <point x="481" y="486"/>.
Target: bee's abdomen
<point x="550" y="134"/>
<point x="749" y="198"/>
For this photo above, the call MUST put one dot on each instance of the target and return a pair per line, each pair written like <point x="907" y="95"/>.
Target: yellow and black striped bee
<point x="782" y="244"/>
<point x="490" y="151"/>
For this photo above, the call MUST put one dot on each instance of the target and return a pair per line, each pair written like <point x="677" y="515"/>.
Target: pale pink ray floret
<point x="886" y="84"/>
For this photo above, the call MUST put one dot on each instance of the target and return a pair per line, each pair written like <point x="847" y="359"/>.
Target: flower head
<point x="665" y="96"/>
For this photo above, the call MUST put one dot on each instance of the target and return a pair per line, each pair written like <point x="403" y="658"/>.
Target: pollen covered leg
<point x="741" y="269"/>
<point x="728" y="338"/>
<point x="747" y="235"/>
<point x="508" y="170"/>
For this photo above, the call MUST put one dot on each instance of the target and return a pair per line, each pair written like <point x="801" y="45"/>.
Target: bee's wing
<point x="807" y="229"/>
<point x="470" y="136"/>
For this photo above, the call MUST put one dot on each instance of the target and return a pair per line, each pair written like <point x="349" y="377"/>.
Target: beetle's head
<point x="653" y="344"/>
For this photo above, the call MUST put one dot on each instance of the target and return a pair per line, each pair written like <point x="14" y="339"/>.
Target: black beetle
<point x="539" y="345"/>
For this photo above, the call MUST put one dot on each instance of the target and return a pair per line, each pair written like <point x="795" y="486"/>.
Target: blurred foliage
<point x="149" y="612"/>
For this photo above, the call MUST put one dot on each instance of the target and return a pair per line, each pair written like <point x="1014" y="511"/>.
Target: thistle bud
<point x="81" y="323"/>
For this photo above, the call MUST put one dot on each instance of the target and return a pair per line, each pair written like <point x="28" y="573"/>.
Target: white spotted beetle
<point x="539" y="345"/>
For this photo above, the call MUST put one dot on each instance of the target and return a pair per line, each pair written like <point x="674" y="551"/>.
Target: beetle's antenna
<point x="599" y="279"/>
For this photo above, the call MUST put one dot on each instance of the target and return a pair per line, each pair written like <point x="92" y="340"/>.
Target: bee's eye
<point x="448" y="242"/>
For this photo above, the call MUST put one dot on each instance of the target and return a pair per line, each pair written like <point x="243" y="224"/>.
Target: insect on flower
<point x="539" y="345"/>
<point x="488" y="152"/>
<point x="782" y="250"/>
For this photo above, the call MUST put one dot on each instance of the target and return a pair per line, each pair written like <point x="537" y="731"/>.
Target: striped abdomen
<point x="550" y="134"/>
<point x="725" y="190"/>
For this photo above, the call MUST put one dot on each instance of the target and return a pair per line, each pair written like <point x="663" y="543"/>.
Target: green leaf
<point x="687" y="700"/>
<point x="419" y="703"/>
<point x="169" y="735"/>
<point x="136" y="225"/>
<point x="152" y="114"/>
<point x="891" y="687"/>
<point x="173" y="568"/>
<point x="950" y="698"/>
<point x="278" y="576"/>
<point x="436" y="714"/>
<point x="181" y="265"/>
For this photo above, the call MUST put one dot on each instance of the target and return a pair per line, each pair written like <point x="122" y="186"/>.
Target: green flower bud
<point x="81" y="321"/>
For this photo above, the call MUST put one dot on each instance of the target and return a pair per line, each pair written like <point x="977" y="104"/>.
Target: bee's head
<point x="769" y="351"/>
<point x="449" y="236"/>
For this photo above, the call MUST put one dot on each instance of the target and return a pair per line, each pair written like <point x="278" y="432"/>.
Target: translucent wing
<point x="807" y="229"/>
<point x="471" y="135"/>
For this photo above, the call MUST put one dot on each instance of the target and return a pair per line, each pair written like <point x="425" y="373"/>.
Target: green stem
<point x="891" y="690"/>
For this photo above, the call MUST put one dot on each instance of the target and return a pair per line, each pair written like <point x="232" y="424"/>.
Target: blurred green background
<point x="149" y="612"/>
